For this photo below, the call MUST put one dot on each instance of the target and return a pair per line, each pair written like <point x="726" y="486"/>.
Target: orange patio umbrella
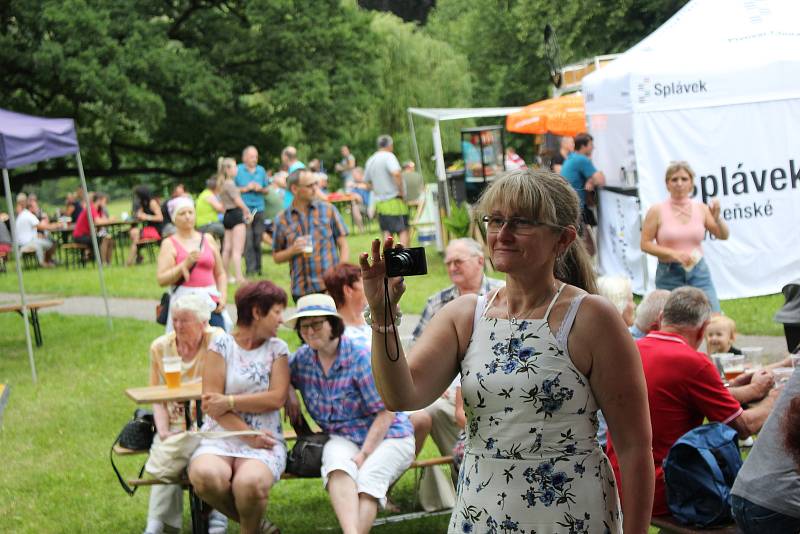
<point x="564" y="115"/>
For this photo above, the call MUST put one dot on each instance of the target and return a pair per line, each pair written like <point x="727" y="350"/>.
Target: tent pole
<point x="18" y="265"/>
<point x="97" y="258"/>
<point x="439" y="155"/>
<point x="414" y="140"/>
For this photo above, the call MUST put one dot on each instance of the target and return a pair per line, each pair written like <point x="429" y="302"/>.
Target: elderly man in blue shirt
<point x="251" y="179"/>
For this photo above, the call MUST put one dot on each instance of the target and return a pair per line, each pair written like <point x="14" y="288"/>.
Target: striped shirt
<point x="325" y="225"/>
<point x="345" y="402"/>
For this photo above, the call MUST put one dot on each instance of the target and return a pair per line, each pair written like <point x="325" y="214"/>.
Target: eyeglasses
<point x="458" y="262"/>
<point x="316" y="326"/>
<point x="516" y="225"/>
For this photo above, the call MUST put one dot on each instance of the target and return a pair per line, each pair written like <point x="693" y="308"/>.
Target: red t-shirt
<point x="82" y="224"/>
<point x="683" y="388"/>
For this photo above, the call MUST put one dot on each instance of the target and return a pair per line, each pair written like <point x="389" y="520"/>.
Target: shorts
<point x="387" y="462"/>
<point x="672" y="275"/>
<point x="4" y="248"/>
<point x="150" y="232"/>
<point x="232" y="218"/>
<point x="393" y="224"/>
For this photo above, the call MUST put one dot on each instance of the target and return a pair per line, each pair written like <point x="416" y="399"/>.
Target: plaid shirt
<point x="437" y="302"/>
<point x="345" y="402"/>
<point x="325" y="225"/>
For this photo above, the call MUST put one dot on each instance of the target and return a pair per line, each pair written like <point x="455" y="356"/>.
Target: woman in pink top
<point x="673" y="231"/>
<point x="190" y="262"/>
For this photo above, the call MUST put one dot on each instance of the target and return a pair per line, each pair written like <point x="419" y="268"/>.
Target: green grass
<point x="753" y="316"/>
<point x="56" y="436"/>
<point x="140" y="281"/>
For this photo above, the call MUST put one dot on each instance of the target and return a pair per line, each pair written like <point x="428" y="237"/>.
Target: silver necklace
<point x="514" y="319"/>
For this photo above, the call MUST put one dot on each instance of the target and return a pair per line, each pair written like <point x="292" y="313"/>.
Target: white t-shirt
<point x="378" y="171"/>
<point x="26" y="227"/>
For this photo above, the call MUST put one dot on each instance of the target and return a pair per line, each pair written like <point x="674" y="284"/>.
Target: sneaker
<point x="217" y="522"/>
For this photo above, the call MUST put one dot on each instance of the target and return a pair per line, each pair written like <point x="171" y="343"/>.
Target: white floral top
<point x="532" y="463"/>
<point x="248" y="371"/>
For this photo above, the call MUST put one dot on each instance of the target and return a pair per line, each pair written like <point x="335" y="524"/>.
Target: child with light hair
<point x="720" y="335"/>
<point x="617" y="289"/>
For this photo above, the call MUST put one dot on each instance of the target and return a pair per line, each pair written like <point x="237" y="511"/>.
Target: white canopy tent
<point x="25" y="139"/>
<point x="437" y="115"/>
<point x="718" y="85"/>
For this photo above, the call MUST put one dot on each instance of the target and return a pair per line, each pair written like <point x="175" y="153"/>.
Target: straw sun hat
<point x="316" y="305"/>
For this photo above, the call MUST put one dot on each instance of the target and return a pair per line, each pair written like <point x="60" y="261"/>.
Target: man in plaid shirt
<point x="308" y="216"/>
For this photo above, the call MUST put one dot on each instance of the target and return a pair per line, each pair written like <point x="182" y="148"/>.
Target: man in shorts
<point x="382" y="171"/>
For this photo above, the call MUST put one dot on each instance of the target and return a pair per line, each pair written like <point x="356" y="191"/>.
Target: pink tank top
<point x="203" y="273"/>
<point x="675" y="234"/>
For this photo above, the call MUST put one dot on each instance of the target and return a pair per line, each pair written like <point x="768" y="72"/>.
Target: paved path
<point x="142" y="309"/>
<point x="145" y="310"/>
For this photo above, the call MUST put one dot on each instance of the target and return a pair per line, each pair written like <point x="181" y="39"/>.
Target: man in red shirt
<point x="684" y="386"/>
<point x="81" y="234"/>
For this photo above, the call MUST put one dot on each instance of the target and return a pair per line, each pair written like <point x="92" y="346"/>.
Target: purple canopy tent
<point x="25" y="139"/>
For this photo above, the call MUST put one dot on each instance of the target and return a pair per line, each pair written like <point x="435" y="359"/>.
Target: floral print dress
<point x="532" y="463"/>
<point x="248" y="371"/>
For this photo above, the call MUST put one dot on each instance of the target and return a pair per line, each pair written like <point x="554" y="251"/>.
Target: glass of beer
<point x="308" y="248"/>
<point x="732" y="365"/>
<point x="172" y="371"/>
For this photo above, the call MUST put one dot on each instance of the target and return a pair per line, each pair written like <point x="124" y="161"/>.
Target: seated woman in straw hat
<point x="369" y="446"/>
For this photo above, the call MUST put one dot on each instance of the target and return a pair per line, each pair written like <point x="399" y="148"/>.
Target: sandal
<point x="268" y="527"/>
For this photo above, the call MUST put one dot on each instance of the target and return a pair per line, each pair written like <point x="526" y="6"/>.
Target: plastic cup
<point x="308" y="248"/>
<point x="795" y="360"/>
<point x="172" y="371"/>
<point x="752" y="357"/>
<point x="782" y="375"/>
<point x="732" y="365"/>
<point x="717" y="359"/>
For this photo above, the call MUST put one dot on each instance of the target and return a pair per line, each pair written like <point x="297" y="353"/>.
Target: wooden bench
<point x="669" y="525"/>
<point x="289" y="435"/>
<point x="29" y="260"/>
<point x="33" y="313"/>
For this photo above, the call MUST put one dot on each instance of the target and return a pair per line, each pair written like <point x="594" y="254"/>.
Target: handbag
<point x="305" y="458"/>
<point x="170" y="457"/>
<point x="435" y="490"/>
<point x="162" y="308"/>
<point x="137" y="435"/>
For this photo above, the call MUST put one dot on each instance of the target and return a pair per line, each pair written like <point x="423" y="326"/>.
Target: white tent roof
<point x="451" y="114"/>
<point x="710" y="53"/>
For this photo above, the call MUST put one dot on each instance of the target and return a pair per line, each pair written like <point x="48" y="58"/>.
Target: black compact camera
<point x="405" y="262"/>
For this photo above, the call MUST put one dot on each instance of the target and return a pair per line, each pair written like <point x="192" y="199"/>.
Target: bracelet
<point x="383" y="329"/>
<point x="398" y="316"/>
<point x="230" y="402"/>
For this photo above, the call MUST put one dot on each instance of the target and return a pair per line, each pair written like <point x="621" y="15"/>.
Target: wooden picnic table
<point x="342" y="201"/>
<point x="33" y="314"/>
<point x="118" y="230"/>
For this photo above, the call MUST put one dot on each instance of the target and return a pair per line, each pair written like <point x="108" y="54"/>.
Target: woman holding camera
<point x="537" y="360"/>
<point x="369" y="446"/>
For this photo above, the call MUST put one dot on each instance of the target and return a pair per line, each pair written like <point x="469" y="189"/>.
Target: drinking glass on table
<point x="732" y="365"/>
<point x="172" y="371"/>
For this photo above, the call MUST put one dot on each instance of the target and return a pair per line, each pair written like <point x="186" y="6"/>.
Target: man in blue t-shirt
<point x="251" y="179"/>
<point x="582" y="175"/>
<point x="290" y="162"/>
